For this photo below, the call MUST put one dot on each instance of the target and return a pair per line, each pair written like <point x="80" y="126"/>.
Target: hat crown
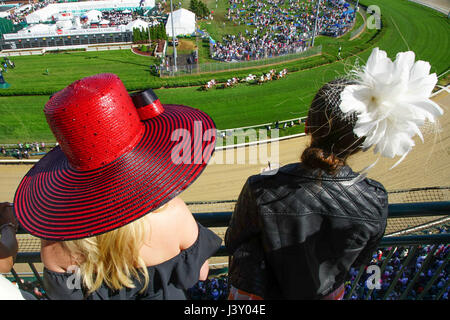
<point x="94" y="120"/>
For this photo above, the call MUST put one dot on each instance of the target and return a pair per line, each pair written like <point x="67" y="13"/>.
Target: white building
<point x="183" y="23"/>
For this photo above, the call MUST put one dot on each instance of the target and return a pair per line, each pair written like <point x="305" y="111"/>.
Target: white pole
<point x="196" y="43"/>
<point x="173" y="38"/>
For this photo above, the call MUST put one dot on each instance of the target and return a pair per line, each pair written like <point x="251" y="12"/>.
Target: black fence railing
<point x="421" y="209"/>
<point x="430" y="249"/>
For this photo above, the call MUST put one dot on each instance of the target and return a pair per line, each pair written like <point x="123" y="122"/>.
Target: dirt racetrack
<point x="441" y="5"/>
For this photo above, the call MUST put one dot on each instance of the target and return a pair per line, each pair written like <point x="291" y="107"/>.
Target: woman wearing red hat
<point x="105" y="200"/>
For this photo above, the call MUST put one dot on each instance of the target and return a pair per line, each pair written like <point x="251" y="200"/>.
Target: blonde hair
<point x="111" y="258"/>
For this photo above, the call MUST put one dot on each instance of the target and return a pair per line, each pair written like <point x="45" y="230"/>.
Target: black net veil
<point x="330" y="128"/>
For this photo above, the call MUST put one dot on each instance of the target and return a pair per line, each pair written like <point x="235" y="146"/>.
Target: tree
<point x="204" y="10"/>
<point x="136" y="35"/>
<point x="199" y="8"/>
<point x="193" y="6"/>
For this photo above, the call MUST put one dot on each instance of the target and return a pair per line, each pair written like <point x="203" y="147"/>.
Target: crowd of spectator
<point x="280" y="27"/>
<point x="336" y="19"/>
<point x="23" y="150"/>
<point x="18" y="15"/>
<point x="117" y="17"/>
<point x="215" y="288"/>
<point x="33" y="287"/>
<point x="394" y="266"/>
<point x="5" y="64"/>
<point x="124" y="17"/>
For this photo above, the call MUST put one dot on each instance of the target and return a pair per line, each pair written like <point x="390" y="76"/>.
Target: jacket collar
<point x="300" y="170"/>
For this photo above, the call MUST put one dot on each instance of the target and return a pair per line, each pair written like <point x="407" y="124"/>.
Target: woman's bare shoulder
<point x="179" y="218"/>
<point x="54" y="256"/>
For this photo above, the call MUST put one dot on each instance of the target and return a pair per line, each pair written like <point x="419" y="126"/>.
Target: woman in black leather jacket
<point x="296" y="233"/>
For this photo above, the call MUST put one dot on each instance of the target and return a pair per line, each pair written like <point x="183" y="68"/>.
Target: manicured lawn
<point x="410" y="26"/>
<point x="22" y="120"/>
<point x="29" y="76"/>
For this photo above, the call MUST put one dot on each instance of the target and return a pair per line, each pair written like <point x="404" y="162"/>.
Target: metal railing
<point x="415" y="244"/>
<point x="168" y="70"/>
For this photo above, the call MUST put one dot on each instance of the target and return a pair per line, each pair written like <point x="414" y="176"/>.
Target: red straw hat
<point x="119" y="157"/>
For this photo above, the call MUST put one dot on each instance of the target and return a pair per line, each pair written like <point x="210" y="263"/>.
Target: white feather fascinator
<point x="391" y="101"/>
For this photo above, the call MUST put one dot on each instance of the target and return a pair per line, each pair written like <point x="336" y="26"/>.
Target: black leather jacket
<point x="295" y="234"/>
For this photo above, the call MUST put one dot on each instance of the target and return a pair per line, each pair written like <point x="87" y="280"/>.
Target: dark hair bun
<point x="316" y="158"/>
<point x="333" y="139"/>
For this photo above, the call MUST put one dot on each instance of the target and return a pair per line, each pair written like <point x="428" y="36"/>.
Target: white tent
<point x="183" y="23"/>
<point x="94" y="16"/>
<point x="52" y="29"/>
<point x="77" y="22"/>
<point x="33" y="18"/>
<point x="36" y="29"/>
<point x="64" y="24"/>
<point x="138" y="23"/>
<point x="41" y="15"/>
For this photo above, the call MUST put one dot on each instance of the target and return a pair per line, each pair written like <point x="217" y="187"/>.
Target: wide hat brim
<point x="56" y="202"/>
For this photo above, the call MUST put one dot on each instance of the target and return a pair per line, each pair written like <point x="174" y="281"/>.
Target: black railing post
<point x="444" y="289"/>
<point x="416" y="276"/>
<point x="433" y="279"/>
<point x="16" y="276"/>
<point x="383" y="267"/>
<point x="36" y="273"/>
<point x="411" y="254"/>
<point x="355" y="282"/>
